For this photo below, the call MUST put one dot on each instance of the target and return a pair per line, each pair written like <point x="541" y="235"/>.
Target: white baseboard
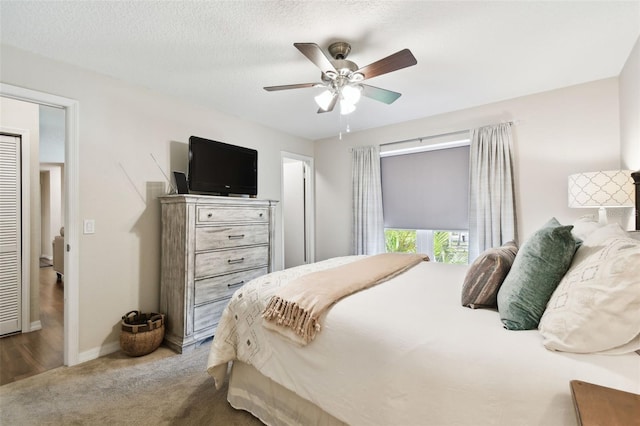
<point x="35" y="325"/>
<point x="98" y="352"/>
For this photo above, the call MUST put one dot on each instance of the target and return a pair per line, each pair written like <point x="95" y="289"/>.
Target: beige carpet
<point x="162" y="388"/>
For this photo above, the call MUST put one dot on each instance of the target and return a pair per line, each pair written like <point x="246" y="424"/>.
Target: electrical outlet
<point x="89" y="226"/>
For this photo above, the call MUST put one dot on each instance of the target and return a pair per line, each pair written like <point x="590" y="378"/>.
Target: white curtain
<point x="492" y="211"/>
<point x="367" y="222"/>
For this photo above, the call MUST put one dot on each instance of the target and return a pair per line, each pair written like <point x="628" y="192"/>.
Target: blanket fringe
<point x="291" y="315"/>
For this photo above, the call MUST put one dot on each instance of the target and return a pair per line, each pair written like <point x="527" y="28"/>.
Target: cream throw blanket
<point x="295" y="310"/>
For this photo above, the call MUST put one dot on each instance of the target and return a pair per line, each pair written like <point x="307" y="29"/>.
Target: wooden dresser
<point x="600" y="405"/>
<point x="211" y="246"/>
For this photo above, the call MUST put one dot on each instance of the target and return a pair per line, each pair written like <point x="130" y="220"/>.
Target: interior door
<point x="10" y="236"/>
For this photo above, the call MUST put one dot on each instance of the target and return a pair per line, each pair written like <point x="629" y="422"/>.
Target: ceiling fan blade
<point x="290" y="86"/>
<point x="382" y="95"/>
<point x="398" y="60"/>
<point x="332" y="105"/>
<point x="313" y="52"/>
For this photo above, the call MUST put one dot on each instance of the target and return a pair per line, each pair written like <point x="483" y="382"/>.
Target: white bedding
<point x="407" y="353"/>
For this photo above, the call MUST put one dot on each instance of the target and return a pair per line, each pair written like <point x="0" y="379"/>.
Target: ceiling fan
<point x="342" y="79"/>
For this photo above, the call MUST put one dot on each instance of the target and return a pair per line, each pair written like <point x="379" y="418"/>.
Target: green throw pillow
<point x="537" y="270"/>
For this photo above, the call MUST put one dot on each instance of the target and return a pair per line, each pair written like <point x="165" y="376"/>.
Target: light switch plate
<point x="89" y="226"/>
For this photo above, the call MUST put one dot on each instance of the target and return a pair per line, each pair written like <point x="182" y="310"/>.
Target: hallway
<point x="28" y="354"/>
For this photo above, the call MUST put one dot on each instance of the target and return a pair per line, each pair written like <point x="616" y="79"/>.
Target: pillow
<point x="596" y="307"/>
<point x="485" y="276"/>
<point x="536" y="272"/>
<point x="584" y="226"/>
<point x="600" y="235"/>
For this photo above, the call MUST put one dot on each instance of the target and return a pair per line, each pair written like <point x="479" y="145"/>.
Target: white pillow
<point x="597" y="236"/>
<point x="584" y="226"/>
<point x="596" y="306"/>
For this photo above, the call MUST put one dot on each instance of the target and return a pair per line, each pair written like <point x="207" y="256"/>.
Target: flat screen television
<point x="222" y="169"/>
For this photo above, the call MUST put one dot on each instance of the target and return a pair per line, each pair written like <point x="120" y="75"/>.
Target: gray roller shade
<point x="426" y="190"/>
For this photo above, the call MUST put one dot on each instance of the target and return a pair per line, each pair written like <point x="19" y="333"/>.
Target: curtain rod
<point x="425" y="137"/>
<point x="437" y="136"/>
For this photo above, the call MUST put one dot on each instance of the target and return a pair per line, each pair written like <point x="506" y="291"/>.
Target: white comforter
<point x="406" y="352"/>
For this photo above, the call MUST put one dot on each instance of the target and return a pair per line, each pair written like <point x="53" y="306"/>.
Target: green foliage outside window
<point x="447" y="251"/>
<point x="400" y="240"/>
<point x="448" y="247"/>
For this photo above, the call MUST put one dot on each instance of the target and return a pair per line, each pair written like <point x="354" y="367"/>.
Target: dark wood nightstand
<point x="602" y="406"/>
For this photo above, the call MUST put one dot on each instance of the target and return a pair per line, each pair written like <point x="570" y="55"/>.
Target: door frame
<point x="309" y="202"/>
<point x="71" y="217"/>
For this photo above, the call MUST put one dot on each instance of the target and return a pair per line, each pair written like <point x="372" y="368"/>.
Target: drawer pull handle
<point x="231" y="261"/>
<point x="210" y="215"/>
<point x="236" y="237"/>
<point x="261" y="214"/>
<point x="235" y="284"/>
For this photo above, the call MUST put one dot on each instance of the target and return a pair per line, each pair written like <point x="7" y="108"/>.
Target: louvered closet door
<point x="10" y="232"/>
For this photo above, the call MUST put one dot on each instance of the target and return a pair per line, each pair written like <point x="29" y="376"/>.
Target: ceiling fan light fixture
<point x="356" y="76"/>
<point x="351" y="94"/>
<point x="324" y="99"/>
<point x="346" y="107"/>
<point x="341" y="78"/>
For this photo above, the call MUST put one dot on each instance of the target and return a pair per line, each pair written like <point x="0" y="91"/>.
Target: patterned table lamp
<point x="602" y="189"/>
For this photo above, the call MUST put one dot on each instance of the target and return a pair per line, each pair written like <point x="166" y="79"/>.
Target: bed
<point x="407" y="352"/>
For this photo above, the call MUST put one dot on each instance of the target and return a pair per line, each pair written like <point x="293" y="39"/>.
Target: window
<point x="441" y="246"/>
<point x="425" y="194"/>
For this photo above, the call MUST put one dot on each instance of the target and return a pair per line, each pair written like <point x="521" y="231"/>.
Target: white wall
<point x="52" y="133"/>
<point x="120" y="126"/>
<point x="293" y="212"/>
<point x="52" y="151"/>
<point x="557" y="133"/>
<point x="630" y="111"/>
<point x="51" y="184"/>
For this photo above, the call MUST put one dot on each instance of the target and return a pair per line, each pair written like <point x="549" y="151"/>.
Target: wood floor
<point x="28" y="354"/>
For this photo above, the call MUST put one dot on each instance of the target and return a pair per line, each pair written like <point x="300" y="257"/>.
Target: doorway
<point x="71" y="210"/>
<point x="297" y="209"/>
<point x="33" y="139"/>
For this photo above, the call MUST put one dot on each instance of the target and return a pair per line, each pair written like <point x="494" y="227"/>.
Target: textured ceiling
<point x="221" y="53"/>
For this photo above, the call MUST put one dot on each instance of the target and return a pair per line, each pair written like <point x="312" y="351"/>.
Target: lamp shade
<point x="324" y="99"/>
<point x="351" y="94"/>
<point x="612" y="188"/>
<point x="346" y="107"/>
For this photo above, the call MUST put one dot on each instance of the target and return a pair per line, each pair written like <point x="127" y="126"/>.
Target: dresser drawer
<point x="223" y="286"/>
<point x="217" y="237"/>
<point x="207" y="214"/>
<point x="231" y="260"/>
<point x="208" y="315"/>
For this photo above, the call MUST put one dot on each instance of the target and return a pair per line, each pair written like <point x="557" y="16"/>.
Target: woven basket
<point x="141" y="333"/>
